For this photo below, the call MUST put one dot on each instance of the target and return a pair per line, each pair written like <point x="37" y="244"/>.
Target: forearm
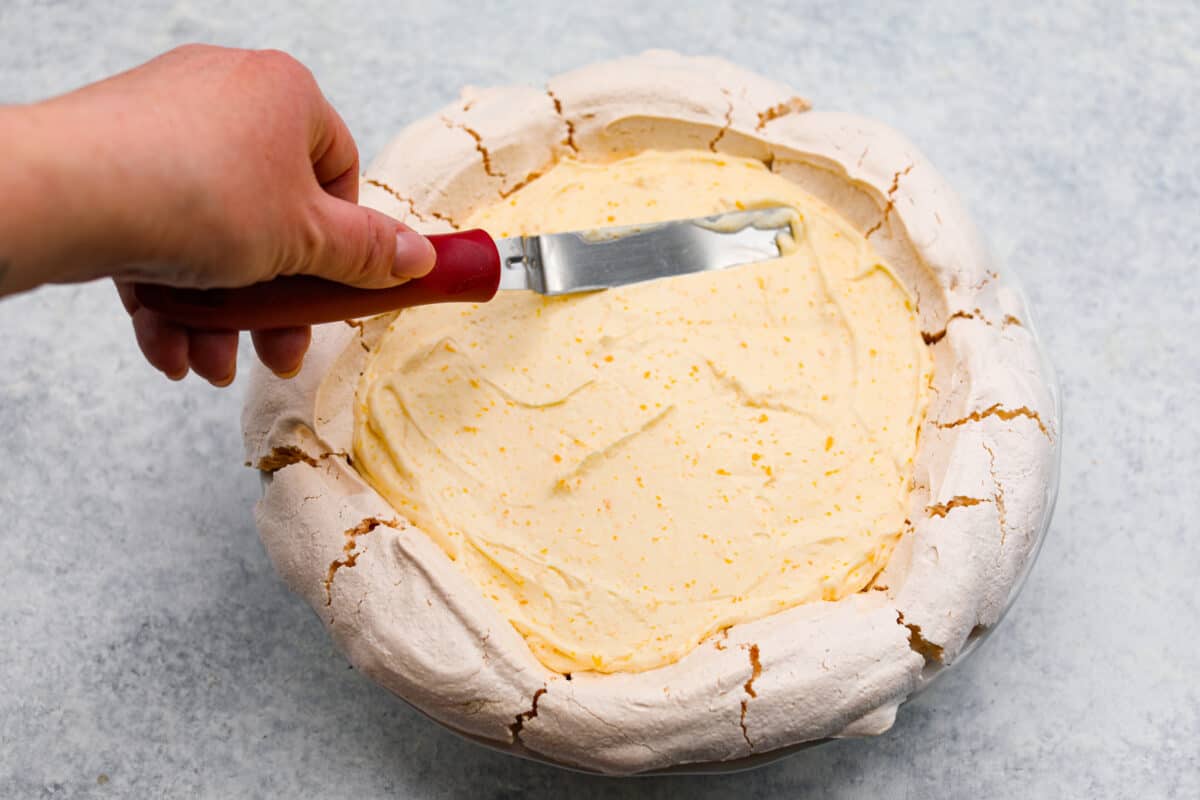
<point x="64" y="208"/>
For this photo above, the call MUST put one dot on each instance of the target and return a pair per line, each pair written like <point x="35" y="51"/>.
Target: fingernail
<point x="223" y="383"/>
<point x="414" y="255"/>
<point x="177" y="376"/>
<point x="292" y="374"/>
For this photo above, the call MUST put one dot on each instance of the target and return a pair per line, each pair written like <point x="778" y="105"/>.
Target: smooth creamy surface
<point x="626" y="472"/>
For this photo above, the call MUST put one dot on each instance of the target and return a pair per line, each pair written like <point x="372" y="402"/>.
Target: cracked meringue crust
<point x="983" y="476"/>
<point x="626" y="472"/>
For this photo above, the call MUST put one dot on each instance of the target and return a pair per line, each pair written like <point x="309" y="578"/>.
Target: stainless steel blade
<point x="604" y="258"/>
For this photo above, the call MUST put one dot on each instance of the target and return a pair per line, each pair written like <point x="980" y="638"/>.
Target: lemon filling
<point x="624" y="473"/>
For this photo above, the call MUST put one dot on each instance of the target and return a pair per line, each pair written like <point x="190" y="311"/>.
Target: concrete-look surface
<point x="148" y="649"/>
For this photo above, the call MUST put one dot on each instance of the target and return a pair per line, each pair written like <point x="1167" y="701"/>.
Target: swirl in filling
<point x="626" y="472"/>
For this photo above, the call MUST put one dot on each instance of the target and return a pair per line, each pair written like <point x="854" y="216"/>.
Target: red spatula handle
<point x="467" y="270"/>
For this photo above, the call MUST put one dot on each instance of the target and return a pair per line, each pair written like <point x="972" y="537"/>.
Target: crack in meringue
<point x="934" y="338"/>
<point x="712" y="145"/>
<point x="998" y="410"/>
<point x="748" y="687"/>
<point x="958" y="501"/>
<point x="569" y="140"/>
<point x="794" y="105"/>
<point x="479" y="146"/>
<point x="350" y="549"/>
<point x="891" y="200"/>
<point x="412" y="207"/>
<point x="286" y="455"/>
<point x="516" y="727"/>
<point x="928" y="650"/>
<point x="998" y="494"/>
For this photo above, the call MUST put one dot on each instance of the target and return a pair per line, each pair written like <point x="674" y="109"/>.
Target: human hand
<point x="220" y="167"/>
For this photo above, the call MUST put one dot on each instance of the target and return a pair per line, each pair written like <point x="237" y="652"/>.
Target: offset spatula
<point x="471" y="266"/>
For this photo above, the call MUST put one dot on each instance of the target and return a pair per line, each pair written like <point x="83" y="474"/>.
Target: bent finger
<point x="282" y="350"/>
<point x="213" y="355"/>
<point x="335" y="156"/>
<point x="163" y="343"/>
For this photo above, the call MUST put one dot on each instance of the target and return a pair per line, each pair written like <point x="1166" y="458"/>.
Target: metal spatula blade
<point x="471" y="266"/>
<point x="583" y="261"/>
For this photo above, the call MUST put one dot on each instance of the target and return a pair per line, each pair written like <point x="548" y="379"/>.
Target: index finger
<point x="335" y="155"/>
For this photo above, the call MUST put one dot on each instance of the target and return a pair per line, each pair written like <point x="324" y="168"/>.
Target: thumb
<point x="363" y="247"/>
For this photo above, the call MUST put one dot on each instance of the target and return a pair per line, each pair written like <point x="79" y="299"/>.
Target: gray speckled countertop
<point x="147" y="648"/>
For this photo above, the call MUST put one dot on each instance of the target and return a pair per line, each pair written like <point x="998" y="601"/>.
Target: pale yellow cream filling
<point x="626" y="472"/>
